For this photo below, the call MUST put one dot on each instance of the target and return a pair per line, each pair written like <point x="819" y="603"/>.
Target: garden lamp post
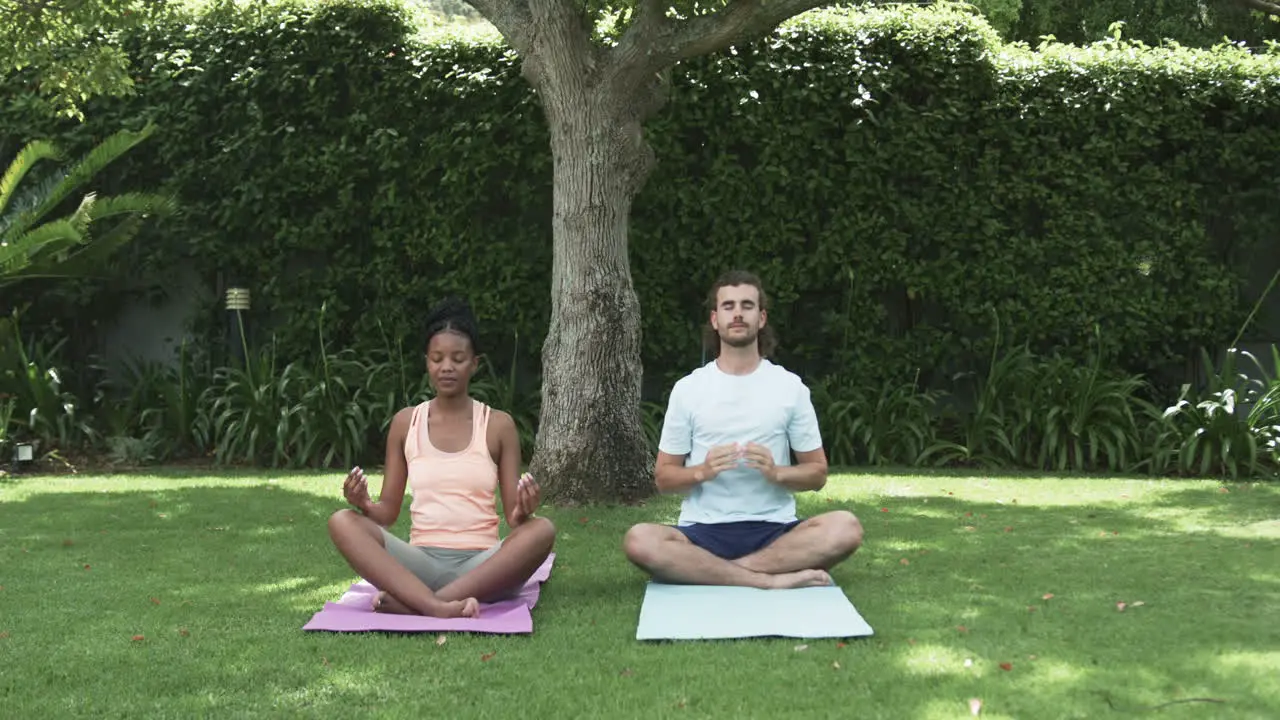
<point x="237" y="304"/>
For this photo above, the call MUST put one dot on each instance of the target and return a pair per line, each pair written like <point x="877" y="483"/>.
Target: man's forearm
<point x="805" y="476"/>
<point x="677" y="478"/>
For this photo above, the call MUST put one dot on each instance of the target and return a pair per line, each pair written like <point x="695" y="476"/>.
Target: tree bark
<point x="596" y="99"/>
<point x="590" y="444"/>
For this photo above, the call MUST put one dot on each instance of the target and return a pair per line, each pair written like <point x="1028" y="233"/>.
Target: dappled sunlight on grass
<point x="1263" y="529"/>
<point x="928" y="659"/>
<point x="1023" y="571"/>
<point x="1242" y="668"/>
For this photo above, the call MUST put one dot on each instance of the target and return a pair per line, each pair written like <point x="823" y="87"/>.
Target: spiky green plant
<point x="35" y="243"/>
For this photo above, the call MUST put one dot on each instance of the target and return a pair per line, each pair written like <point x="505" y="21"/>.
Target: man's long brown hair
<point x="766" y="341"/>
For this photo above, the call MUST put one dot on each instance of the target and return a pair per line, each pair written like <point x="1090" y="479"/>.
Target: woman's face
<point x="451" y="361"/>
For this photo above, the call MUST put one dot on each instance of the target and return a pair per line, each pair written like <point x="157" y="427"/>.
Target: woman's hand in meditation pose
<point x="529" y="498"/>
<point x="356" y="489"/>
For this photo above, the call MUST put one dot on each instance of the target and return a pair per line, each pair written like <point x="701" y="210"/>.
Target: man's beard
<point x="740" y="342"/>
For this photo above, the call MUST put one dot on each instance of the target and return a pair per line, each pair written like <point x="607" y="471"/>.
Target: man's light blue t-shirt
<point x="770" y="406"/>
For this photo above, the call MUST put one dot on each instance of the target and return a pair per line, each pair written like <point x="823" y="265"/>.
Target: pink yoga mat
<point x="353" y="612"/>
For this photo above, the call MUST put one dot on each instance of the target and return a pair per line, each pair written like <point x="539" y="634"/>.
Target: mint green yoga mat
<point x="707" y="612"/>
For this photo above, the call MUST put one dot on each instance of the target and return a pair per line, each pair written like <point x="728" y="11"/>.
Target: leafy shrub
<point x="908" y="175"/>
<point x="1235" y="428"/>
<point x="892" y="423"/>
<point x="38" y="407"/>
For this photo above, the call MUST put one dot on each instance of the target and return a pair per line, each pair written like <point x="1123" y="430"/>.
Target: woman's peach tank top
<point x="454" y="503"/>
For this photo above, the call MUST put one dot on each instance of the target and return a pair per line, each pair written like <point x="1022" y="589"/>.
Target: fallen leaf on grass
<point x="1006" y="666"/>
<point x="86" y="567"/>
<point x="139" y="638"/>
<point x="488" y="656"/>
<point x="962" y="628"/>
<point x="1047" y="596"/>
<point x="801" y="648"/>
<point x="841" y="644"/>
<point x="970" y="528"/>
<point x="68" y="542"/>
<point x="1120" y="606"/>
<point x="440" y="639"/>
<point x="1008" y="529"/>
<point x="155" y="601"/>
<point x="835" y="665"/>
<point x="975" y="706"/>
<point x="184" y="632"/>
<point x="884" y="509"/>
<point x="1138" y="603"/>
<point x="905" y="561"/>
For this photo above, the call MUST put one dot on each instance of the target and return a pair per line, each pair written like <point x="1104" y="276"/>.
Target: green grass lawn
<point x="180" y="596"/>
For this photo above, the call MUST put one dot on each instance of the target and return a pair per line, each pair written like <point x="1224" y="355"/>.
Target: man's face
<point x="737" y="317"/>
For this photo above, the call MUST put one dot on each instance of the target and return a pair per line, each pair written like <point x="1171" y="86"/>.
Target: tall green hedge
<point x="907" y="185"/>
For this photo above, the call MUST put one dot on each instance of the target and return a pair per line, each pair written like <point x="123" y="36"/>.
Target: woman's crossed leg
<point x="405" y="574"/>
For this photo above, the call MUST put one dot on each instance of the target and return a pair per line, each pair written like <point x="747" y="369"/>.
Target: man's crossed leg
<point x="761" y="555"/>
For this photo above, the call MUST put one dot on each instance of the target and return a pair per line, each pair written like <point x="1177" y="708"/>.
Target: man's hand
<point x="760" y="458"/>
<point x="528" y="497"/>
<point x="719" y="458"/>
<point x="356" y="490"/>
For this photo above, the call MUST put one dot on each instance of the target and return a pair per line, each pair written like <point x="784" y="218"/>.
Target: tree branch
<point x="654" y="42"/>
<point x="1261" y="5"/>
<point x="512" y="18"/>
<point x="646" y="23"/>
<point x="560" y="50"/>
<point x="740" y="21"/>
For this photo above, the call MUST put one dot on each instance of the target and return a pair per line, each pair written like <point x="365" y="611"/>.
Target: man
<point x="726" y="444"/>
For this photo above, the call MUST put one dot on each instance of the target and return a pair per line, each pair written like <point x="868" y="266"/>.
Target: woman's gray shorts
<point x="435" y="567"/>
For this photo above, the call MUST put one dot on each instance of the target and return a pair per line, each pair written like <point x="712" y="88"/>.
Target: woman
<point x="454" y="452"/>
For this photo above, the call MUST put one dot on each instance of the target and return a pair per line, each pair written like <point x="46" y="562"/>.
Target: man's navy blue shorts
<point x="733" y="540"/>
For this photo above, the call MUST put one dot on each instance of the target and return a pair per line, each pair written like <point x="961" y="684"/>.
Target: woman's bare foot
<point x="463" y="608"/>
<point x="802" y="578"/>
<point x="385" y="603"/>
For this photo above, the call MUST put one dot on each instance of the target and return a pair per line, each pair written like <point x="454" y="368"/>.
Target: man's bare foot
<point x="385" y="603"/>
<point x="801" y="578"/>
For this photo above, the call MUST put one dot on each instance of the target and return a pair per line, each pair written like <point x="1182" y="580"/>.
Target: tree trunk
<point x="590" y="445"/>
